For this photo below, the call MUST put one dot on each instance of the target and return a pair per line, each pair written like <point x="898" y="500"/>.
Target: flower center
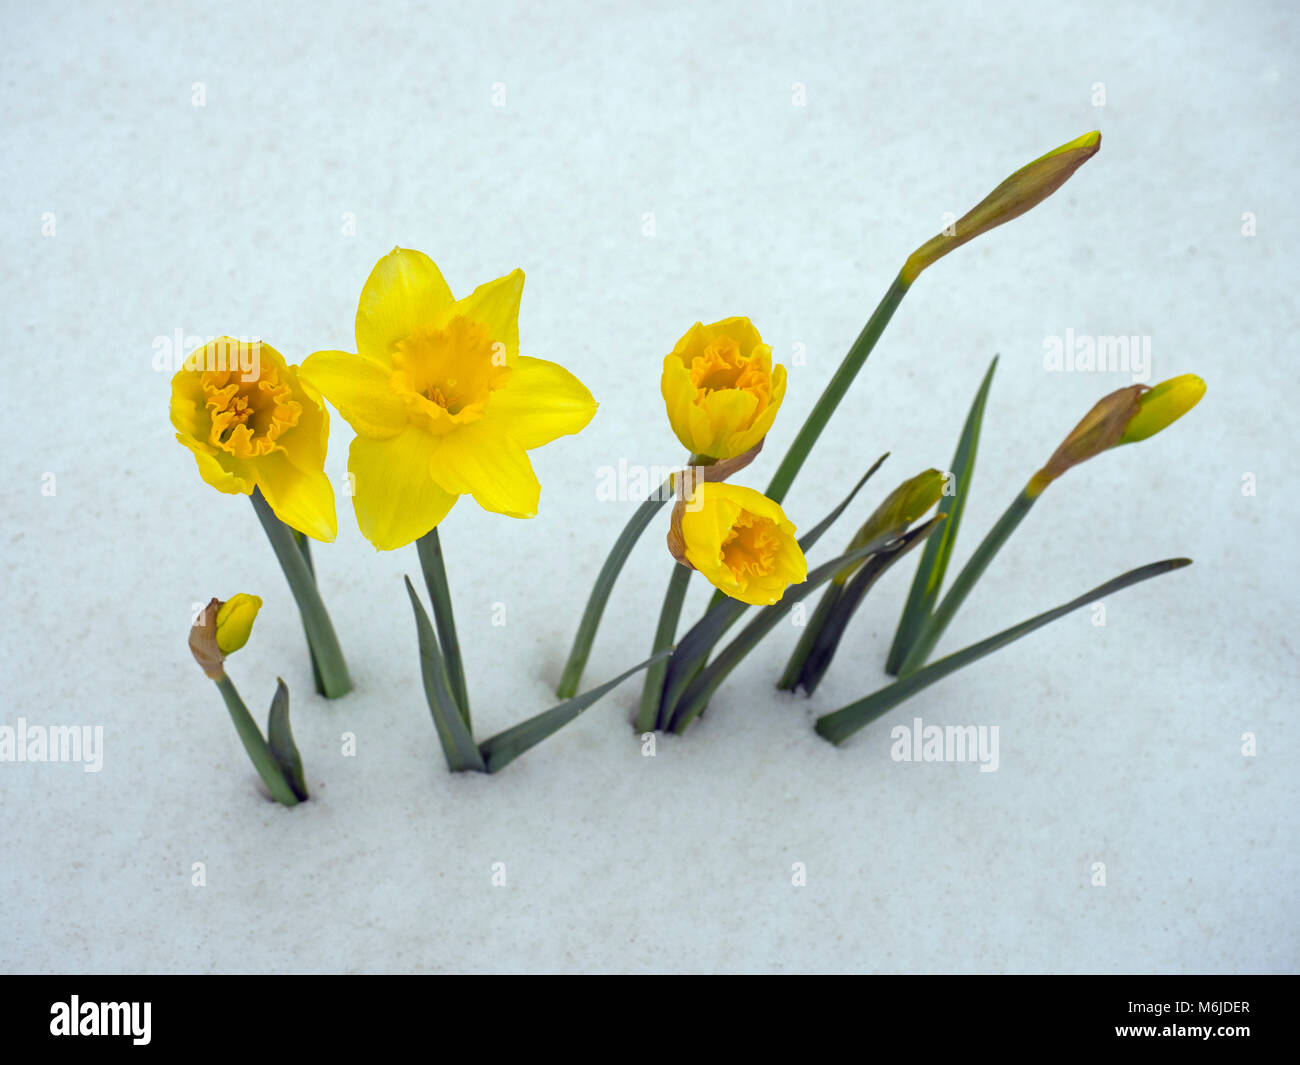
<point x="721" y="366"/>
<point x="247" y="417"/>
<point x="751" y="546"/>
<point x="447" y="375"/>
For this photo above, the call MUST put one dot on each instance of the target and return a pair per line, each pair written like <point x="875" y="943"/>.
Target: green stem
<point x="934" y="626"/>
<point x="255" y="744"/>
<point x="647" y="719"/>
<point x="321" y="640"/>
<point x="304" y="545"/>
<point x="435" y="580"/>
<point x="834" y="392"/>
<point x="600" y="591"/>
<point x="794" y="668"/>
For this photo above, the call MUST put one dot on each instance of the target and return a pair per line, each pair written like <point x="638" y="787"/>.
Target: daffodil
<point x="721" y="390"/>
<point x="221" y="629"/>
<point x="253" y="423"/>
<point x="441" y="400"/>
<point x="740" y="540"/>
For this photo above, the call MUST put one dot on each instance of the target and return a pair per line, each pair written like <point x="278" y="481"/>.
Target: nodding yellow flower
<point x="441" y="400"/>
<point x="252" y="422"/>
<point x="221" y="629"/>
<point x="739" y="540"/>
<point x="720" y="388"/>
<point x="1163" y="405"/>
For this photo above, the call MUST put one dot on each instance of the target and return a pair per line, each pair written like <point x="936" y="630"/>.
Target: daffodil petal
<point x="232" y="482"/>
<point x="395" y="498"/>
<point x="303" y="501"/>
<point x="484" y="462"/>
<point x="403" y="293"/>
<point x="495" y="306"/>
<point x="359" y="389"/>
<point x="540" y="402"/>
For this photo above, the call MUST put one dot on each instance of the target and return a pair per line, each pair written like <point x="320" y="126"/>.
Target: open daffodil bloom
<point x="441" y="400"/>
<point x="720" y="388"/>
<point x="251" y="422"/>
<point x="739" y="540"/>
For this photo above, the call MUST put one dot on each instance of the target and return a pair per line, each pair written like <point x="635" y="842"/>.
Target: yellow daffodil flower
<point x="1163" y="405"/>
<point x="251" y="422"/>
<point x="441" y="400"/>
<point x="739" y="540"/>
<point x="720" y="389"/>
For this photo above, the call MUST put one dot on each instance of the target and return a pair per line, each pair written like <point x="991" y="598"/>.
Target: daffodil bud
<point x="740" y="541"/>
<point x="1100" y="430"/>
<point x="892" y="518"/>
<point x="1026" y="188"/>
<point x="721" y="390"/>
<point x="221" y="629"/>
<point x="1163" y="405"/>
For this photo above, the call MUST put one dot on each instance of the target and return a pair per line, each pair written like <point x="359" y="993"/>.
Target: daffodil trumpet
<point x="1125" y="416"/>
<point x="221" y="629"/>
<point x="329" y="669"/>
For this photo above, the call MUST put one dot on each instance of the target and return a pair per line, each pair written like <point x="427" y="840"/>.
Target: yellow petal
<point x="727" y="411"/>
<point x="359" y="389"/>
<point x="679" y="399"/>
<point x="404" y="292"/>
<point x="495" y="306"/>
<point x="540" y="402"/>
<point x="395" y="497"/>
<point x="302" y="500"/>
<point x="482" y="461"/>
<point x="235" y="619"/>
<point x="1163" y="405"/>
<point x="233" y="481"/>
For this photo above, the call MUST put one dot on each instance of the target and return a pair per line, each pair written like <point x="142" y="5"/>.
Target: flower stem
<point x="618" y="555"/>
<point x="647" y="718"/>
<point x="834" y="392"/>
<point x="435" y="580"/>
<point x="322" y="642"/>
<point x="934" y="626"/>
<point x="254" y="743"/>
<point x="304" y="545"/>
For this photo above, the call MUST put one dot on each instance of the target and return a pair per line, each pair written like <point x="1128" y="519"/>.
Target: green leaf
<point x="702" y="687"/>
<point x="938" y="550"/>
<point x="457" y="742"/>
<point x="827" y="639"/>
<point x="840" y="725"/>
<point x="255" y="745"/>
<point x="600" y="591"/>
<point x="279" y="739"/>
<point x="694" y="648"/>
<point x="503" y="748"/>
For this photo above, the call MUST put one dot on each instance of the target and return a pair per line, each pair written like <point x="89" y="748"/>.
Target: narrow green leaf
<point x="790" y="679"/>
<point x="701" y="688"/>
<point x="827" y="640"/>
<point x="694" y="648"/>
<point x="304" y="545"/>
<point x="255" y="745"/>
<point x="840" y="725"/>
<point x="600" y="591"/>
<point x="457" y="743"/>
<point x="279" y="738"/>
<point x="503" y="748"/>
<point x="938" y="549"/>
